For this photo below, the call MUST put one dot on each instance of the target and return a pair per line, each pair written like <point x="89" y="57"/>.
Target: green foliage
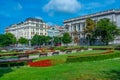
<point x="47" y="39"/>
<point x="35" y="40"/>
<point x="93" y="57"/>
<point x="12" y="38"/>
<point x="90" y="26"/>
<point x="91" y="70"/>
<point x="66" y="38"/>
<point x="60" y="48"/>
<point x="7" y="39"/>
<point x="89" y="30"/>
<point x="4" y="40"/>
<point x="23" y="40"/>
<point x="40" y="40"/>
<point x="57" y="39"/>
<point x="106" y="30"/>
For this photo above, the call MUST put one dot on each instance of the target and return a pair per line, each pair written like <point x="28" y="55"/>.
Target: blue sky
<point x="53" y="12"/>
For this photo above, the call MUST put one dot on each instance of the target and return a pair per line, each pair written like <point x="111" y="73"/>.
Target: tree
<point x="35" y="40"/>
<point x="89" y="30"/>
<point x="4" y="40"/>
<point x="66" y="38"/>
<point x="57" y="40"/>
<point x="12" y="38"/>
<point x="39" y="40"/>
<point x="23" y="40"/>
<point x="76" y="38"/>
<point x="106" y="30"/>
<point x="47" y="39"/>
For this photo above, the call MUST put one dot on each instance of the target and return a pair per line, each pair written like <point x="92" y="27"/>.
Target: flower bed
<point x="31" y="51"/>
<point x="94" y="57"/>
<point x="41" y="63"/>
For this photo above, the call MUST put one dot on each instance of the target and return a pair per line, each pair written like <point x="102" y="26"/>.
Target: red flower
<point x="42" y="63"/>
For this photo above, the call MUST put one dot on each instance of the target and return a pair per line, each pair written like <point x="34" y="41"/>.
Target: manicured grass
<point x="64" y="56"/>
<point x="94" y="70"/>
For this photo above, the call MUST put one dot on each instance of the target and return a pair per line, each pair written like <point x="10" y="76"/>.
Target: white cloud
<point x="92" y="5"/>
<point x="66" y="6"/>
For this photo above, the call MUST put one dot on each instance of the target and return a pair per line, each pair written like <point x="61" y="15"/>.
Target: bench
<point x="23" y="56"/>
<point x="42" y="54"/>
<point x="68" y="51"/>
<point x="11" y="63"/>
<point x="54" y="53"/>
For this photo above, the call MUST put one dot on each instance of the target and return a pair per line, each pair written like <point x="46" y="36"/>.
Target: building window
<point x="83" y="24"/>
<point x="74" y="26"/>
<point x="41" y="33"/>
<point x="53" y="28"/>
<point x="78" y="26"/>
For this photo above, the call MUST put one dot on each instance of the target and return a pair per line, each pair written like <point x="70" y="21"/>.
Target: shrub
<point x="60" y="48"/>
<point x="102" y="48"/>
<point x="93" y="57"/>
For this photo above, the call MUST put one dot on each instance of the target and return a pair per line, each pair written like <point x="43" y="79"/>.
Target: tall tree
<point x="57" y="40"/>
<point x="35" y="40"/>
<point x="4" y="40"/>
<point x="23" y="40"/>
<point x="89" y="30"/>
<point x="66" y="38"/>
<point x="106" y="30"/>
<point x="39" y="40"/>
<point x="47" y="39"/>
<point x="12" y="38"/>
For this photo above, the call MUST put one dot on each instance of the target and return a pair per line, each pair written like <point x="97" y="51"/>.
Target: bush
<point x="60" y="48"/>
<point x="103" y="48"/>
<point x="93" y="57"/>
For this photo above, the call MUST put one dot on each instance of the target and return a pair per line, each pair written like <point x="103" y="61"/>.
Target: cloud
<point x="92" y="5"/>
<point x="64" y="6"/>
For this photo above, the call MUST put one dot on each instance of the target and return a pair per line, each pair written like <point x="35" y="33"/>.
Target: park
<point x="56" y="58"/>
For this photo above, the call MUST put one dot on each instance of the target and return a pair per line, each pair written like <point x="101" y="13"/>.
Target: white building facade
<point x="78" y="24"/>
<point x="55" y="31"/>
<point x="28" y="28"/>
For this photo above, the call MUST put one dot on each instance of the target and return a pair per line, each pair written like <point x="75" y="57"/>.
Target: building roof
<point x="93" y="15"/>
<point x="28" y="19"/>
<point x="34" y="19"/>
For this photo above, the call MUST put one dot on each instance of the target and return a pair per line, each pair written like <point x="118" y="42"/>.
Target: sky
<point x="53" y="12"/>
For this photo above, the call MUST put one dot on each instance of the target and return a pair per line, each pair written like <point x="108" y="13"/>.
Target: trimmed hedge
<point x="103" y="48"/>
<point x="14" y="63"/>
<point x="92" y="57"/>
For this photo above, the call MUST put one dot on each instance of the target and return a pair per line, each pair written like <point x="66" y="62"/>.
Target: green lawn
<point x="94" y="70"/>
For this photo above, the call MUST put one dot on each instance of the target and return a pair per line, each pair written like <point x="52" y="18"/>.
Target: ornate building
<point x="28" y="28"/>
<point x="77" y="24"/>
<point x="55" y="31"/>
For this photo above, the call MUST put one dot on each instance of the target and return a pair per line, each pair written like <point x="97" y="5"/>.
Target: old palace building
<point x="78" y="23"/>
<point x="28" y="28"/>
